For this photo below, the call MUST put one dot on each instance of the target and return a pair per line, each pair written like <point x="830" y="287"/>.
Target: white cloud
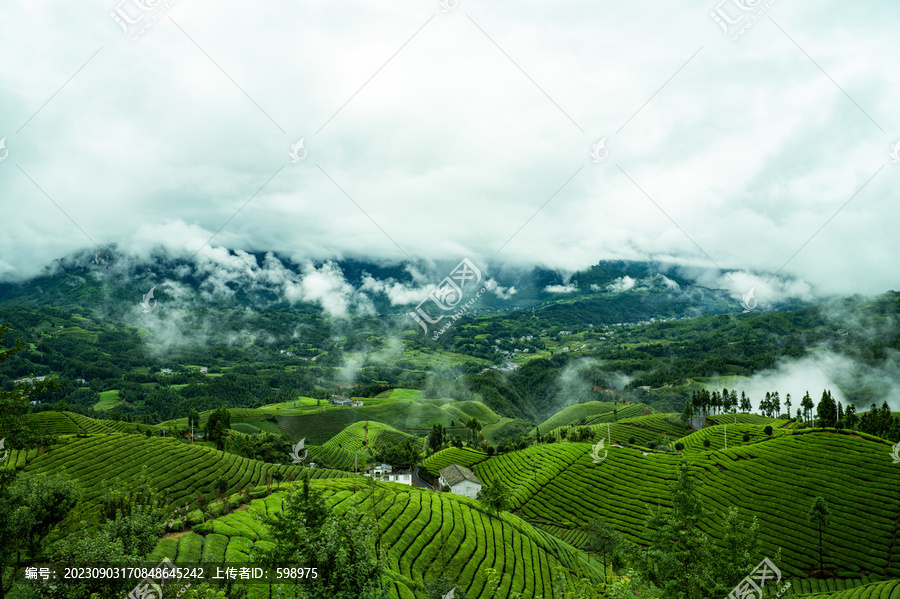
<point x="449" y="150"/>
<point x="570" y="288"/>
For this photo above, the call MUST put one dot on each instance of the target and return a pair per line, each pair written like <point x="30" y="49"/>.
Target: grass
<point x="108" y="400"/>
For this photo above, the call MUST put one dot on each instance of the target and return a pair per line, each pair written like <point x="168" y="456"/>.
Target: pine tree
<point x="807" y="404"/>
<point x="819" y="515"/>
<point x="678" y="558"/>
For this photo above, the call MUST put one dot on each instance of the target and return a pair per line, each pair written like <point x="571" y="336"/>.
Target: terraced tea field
<point x="422" y="534"/>
<point x="732" y="433"/>
<point x="71" y="423"/>
<point x="176" y="468"/>
<point x="776" y="480"/>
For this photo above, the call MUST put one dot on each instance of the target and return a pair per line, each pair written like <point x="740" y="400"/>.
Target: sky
<point x="521" y="132"/>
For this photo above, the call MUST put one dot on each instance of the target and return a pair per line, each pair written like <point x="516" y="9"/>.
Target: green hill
<point x="359" y="440"/>
<point x="581" y="413"/>
<point x="735" y="436"/>
<point x="888" y="589"/>
<point x="71" y="423"/>
<point x="178" y="469"/>
<point x="452" y="455"/>
<point x="775" y="480"/>
<point x="422" y="533"/>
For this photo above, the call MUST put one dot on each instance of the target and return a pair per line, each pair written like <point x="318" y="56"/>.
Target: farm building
<point x="461" y="480"/>
<point x="340" y="400"/>
<point x="386" y="473"/>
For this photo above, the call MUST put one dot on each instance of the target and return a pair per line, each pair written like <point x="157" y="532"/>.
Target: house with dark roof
<point x="461" y="480"/>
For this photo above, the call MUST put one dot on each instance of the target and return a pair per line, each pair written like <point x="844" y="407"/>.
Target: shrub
<point x="746" y="437"/>
<point x="651" y="445"/>
<point x="445" y="488"/>
<point x="768" y="430"/>
<point x="631" y="440"/>
<point x="706" y="443"/>
<point x="679" y="446"/>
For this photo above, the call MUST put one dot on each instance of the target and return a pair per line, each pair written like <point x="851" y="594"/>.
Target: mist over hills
<point x="114" y="281"/>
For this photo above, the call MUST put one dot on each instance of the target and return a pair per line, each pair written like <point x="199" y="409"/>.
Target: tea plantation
<point x="422" y="534"/>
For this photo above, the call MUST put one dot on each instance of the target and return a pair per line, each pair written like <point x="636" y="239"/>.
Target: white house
<point x="461" y="480"/>
<point x="386" y="473"/>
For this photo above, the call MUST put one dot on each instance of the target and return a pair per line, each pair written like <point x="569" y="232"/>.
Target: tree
<point x="706" y="443"/>
<point x="768" y="430"/>
<point x="677" y="560"/>
<point x="746" y="406"/>
<point x="850" y="417"/>
<point x="603" y="539"/>
<point x="339" y="546"/>
<point x="42" y="502"/>
<point x="436" y="437"/>
<point x="494" y="497"/>
<point x="826" y="411"/>
<point x="807" y="404"/>
<point x="10" y="538"/>
<point x="787" y="404"/>
<point x="688" y="413"/>
<point x="15" y="405"/>
<point x="820" y="516"/>
<point x="220" y="485"/>
<point x="193" y="419"/>
<point x="217" y="426"/>
<point x="731" y="563"/>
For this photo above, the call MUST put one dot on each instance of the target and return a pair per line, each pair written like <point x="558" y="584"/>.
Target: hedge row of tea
<point x="732" y="433"/>
<point x="775" y="480"/>
<point x="177" y="469"/>
<point x="452" y="455"/>
<point x="422" y="534"/>
<point x="70" y="423"/>
<point x="888" y="589"/>
<point x="592" y="412"/>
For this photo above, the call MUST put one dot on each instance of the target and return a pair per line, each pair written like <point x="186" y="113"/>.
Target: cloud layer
<point x="438" y="136"/>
